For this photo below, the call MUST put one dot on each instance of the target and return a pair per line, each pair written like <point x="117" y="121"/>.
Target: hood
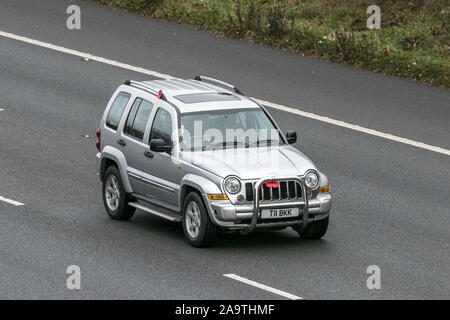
<point x="251" y="163"/>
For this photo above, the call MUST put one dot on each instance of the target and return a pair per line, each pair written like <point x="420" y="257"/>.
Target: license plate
<point x="279" y="213"/>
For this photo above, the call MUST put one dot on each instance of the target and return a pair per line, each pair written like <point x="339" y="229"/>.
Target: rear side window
<point x="130" y="120"/>
<point x="138" y="118"/>
<point x="162" y="126"/>
<point x="116" y="111"/>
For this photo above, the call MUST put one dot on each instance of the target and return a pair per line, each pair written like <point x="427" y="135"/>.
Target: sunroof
<point x="206" y="97"/>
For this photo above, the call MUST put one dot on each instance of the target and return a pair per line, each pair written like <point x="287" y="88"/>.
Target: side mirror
<point x="159" y="145"/>
<point x="291" y="137"/>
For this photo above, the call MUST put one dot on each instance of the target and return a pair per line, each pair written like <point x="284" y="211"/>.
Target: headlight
<point x="232" y="185"/>
<point x="311" y="180"/>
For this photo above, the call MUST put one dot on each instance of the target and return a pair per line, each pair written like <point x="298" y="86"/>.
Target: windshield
<point x="243" y="128"/>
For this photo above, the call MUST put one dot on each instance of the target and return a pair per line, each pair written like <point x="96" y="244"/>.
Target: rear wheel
<point x="197" y="227"/>
<point x="314" y="230"/>
<point x="115" y="198"/>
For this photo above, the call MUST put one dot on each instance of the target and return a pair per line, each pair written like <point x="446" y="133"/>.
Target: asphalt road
<point x="391" y="200"/>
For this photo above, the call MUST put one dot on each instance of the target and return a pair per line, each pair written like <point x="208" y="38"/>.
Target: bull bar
<point x="302" y="204"/>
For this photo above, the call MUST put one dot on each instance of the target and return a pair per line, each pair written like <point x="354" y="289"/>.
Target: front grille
<point x="286" y="190"/>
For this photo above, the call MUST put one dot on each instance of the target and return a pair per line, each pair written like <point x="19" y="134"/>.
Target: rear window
<point x="116" y="111"/>
<point x="206" y="97"/>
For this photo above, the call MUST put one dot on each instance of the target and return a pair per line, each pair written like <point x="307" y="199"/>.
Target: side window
<point x="162" y="126"/>
<point x="138" y="118"/>
<point x="115" y="113"/>
<point x="130" y="120"/>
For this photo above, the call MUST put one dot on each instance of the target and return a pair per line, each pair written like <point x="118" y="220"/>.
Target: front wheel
<point x="115" y="198"/>
<point x="314" y="230"/>
<point x="197" y="227"/>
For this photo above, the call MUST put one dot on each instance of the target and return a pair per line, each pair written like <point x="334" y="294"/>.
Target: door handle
<point x="122" y="142"/>
<point x="148" y="154"/>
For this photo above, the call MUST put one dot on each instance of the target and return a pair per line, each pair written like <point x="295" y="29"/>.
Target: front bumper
<point x="247" y="216"/>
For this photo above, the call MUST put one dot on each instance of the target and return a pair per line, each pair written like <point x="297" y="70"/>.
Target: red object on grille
<point x="272" y="184"/>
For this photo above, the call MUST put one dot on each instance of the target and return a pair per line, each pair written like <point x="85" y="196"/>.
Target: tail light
<point x="98" y="133"/>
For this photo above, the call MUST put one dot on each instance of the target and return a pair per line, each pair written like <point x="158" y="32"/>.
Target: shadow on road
<point x="259" y="239"/>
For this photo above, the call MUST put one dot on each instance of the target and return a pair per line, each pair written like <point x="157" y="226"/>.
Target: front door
<point x="165" y="175"/>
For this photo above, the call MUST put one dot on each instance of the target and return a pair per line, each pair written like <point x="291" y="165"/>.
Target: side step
<point x="156" y="210"/>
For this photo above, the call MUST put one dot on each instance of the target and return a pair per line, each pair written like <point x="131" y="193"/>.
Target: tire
<point x="203" y="232"/>
<point x="315" y="230"/>
<point x="114" y="196"/>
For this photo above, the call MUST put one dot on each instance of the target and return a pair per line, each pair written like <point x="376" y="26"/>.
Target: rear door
<point x="135" y="132"/>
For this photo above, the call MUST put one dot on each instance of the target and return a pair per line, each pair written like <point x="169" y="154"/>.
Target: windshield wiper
<point x="267" y="141"/>
<point x="223" y="144"/>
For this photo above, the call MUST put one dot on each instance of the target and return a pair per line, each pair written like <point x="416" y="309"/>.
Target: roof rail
<point x="146" y="88"/>
<point x="219" y="83"/>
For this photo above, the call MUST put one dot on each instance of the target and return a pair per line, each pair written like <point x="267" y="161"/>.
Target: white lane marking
<point x="85" y="55"/>
<point x="2" y="109"/>
<point x="355" y="127"/>
<point x="262" y="286"/>
<point x="13" y="202"/>
<point x="267" y="103"/>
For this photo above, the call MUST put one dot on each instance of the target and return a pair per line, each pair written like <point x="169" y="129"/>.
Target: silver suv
<point x="200" y="152"/>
